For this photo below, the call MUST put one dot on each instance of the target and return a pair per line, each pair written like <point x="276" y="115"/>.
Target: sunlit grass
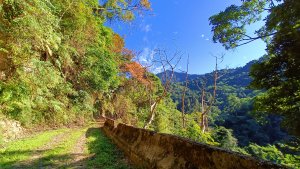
<point x="106" y="155"/>
<point x="62" y="152"/>
<point x="40" y="152"/>
<point x="23" y="149"/>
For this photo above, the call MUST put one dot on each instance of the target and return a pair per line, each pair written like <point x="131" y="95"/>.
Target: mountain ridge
<point x="234" y="107"/>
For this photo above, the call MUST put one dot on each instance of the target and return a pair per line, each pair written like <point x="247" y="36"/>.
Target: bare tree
<point x="168" y="74"/>
<point x="206" y="105"/>
<point x="184" y="93"/>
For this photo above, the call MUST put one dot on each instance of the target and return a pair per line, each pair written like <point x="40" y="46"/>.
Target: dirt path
<point x="38" y="153"/>
<point x="78" y="148"/>
<point x="79" y="154"/>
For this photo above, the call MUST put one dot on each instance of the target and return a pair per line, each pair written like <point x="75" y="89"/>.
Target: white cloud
<point x="202" y="36"/>
<point x="158" y="69"/>
<point x="206" y="39"/>
<point x="146" y="56"/>
<point x="146" y="28"/>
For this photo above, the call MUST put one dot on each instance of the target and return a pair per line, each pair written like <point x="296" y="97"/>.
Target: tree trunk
<point x="202" y="110"/>
<point x="182" y="108"/>
<point x="152" y="115"/>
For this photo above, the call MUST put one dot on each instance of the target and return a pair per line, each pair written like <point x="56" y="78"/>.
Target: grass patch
<point x="1" y="138"/>
<point x="61" y="154"/>
<point x="30" y="151"/>
<point x="106" y="155"/>
<point x="23" y="149"/>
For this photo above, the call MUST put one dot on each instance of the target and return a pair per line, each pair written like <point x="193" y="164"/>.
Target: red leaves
<point x="137" y="71"/>
<point x="118" y="44"/>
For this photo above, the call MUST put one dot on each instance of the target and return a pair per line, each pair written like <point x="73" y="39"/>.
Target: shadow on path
<point x="102" y="154"/>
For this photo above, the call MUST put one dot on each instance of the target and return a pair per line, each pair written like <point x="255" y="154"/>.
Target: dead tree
<point x="184" y="93"/>
<point x="206" y="105"/>
<point x="168" y="74"/>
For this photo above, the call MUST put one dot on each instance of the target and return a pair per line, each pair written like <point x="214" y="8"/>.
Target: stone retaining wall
<point x="148" y="149"/>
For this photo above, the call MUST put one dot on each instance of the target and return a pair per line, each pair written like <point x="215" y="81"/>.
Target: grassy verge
<point x="23" y="149"/>
<point x="1" y="138"/>
<point x="61" y="154"/>
<point x="51" y="150"/>
<point x="106" y="155"/>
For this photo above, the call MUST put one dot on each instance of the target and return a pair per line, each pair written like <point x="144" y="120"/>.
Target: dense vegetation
<point x="60" y="65"/>
<point x="58" y="60"/>
<point x="233" y="122"/>
<point x="277" y="73"/>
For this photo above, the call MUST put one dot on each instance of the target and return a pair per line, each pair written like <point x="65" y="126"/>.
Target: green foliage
<point x="234" y="125"/>
<point x="59" y="64"/>
<point x="168" y="119"/>
<point x="38" y="95"/>
<point x="193" y="131"/>
<point x="100" y="72"/>
<point x="22" y="149"/>
<point x="35" y="33"/>
<point x="229" y="26"/>
<point x="225" y="138"/>
<point x="234" y="106"/>
<point x="272" y="153"/>
<point x="106" y="154"/>
<point x="277" y="72"/>
<point x="122" y="9"/>
<point x="56" y="56"/>
<point x="1" y="137"/>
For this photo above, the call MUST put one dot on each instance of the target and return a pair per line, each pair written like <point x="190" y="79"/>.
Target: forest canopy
<point x="278" y="71"/>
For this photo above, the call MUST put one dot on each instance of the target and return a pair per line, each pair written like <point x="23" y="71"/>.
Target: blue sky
<point x="184" y="26"/>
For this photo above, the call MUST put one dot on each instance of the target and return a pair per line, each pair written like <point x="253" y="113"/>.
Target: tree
<point x="234" y="104"/>
<point x="278" y="71"/>
<point x="225" y="138"/>
<point x="184" y="93"/>
<point x="206" y="105"/>
<point x="58" y="58"/>
<point x="168" y="65"/>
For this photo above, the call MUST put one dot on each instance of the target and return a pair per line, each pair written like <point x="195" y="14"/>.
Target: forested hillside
<point x="234" y="106"/>
<point x="61" y="65"/>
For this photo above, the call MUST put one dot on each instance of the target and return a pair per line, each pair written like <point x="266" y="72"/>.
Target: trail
<point x="78" y="148"/>
<point x="79" y="152"/>
<point x="38" y="153"/>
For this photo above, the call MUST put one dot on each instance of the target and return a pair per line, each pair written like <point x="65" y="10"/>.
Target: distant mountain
<point x="231" y="81"/>
<point x="234" y="105"/>
<point x="237" y="76"/>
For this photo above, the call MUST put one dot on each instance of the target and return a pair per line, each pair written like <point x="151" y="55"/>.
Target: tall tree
<point x="206" y="105"/>
<point x="278" y="71"/>
<point x="168" y="64"/>
<point x="184" y="93"/>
